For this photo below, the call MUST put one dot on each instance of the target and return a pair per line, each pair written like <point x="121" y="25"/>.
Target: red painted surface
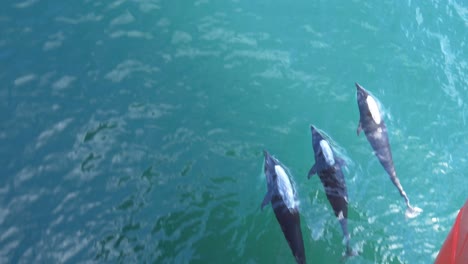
<point x="455" y="248"/>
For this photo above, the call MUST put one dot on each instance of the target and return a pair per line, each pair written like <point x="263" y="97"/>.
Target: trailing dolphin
<point x="282" y="196"/>
<point x="328" y="167"/>
<point x="374" y="127"/>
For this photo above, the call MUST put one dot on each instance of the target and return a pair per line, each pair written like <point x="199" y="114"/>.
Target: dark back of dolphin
<point x="290" y="223"/>
<point x="376" y="134"/>
<point x="333" y="181"/>
<point x="288" y="218"/>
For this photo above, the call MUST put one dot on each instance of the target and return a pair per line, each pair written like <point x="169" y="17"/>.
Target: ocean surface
<point x="132" y="131"/>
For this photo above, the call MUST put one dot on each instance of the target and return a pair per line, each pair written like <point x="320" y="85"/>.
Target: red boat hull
<point x="455" y="248"/>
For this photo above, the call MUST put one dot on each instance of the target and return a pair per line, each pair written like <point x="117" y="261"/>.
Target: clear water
<point x="132" y="131"/>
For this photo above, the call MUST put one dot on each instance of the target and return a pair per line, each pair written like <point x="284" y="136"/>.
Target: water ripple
<point x="55" y="41"/>
<point x="128" y="67"/>
<point x="181" y="37"/>
<point x="24" y="79"/>
<point x="131" y="34"/>
<point x="461" y="10"/>
<point x="90" y="17"/>
<point x="123" y="19"/>
<point x="267" y="55"/>
<point x="26" y="4"/>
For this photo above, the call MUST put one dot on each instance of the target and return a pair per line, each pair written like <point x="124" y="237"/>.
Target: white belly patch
<point x="374" y="109"/>
<point x="327" y="152"/>
<point x="285" y="188"/>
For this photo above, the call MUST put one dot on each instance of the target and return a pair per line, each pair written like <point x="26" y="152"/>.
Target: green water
<point x="132" y="131"/>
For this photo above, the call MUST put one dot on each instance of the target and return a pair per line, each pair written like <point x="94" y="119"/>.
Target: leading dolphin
<point x="376" y="132"/>
<point x="328" y="167"/>
<point x="282" y="196"/>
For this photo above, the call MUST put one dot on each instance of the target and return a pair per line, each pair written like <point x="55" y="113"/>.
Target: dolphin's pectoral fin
<point x="341" y="161"/>
<point x="312" y="171"/>
<point x="267" y="198"/>
<point x="359" y="128"/>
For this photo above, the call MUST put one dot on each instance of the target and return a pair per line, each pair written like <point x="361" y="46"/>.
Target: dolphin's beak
<point x="358" y="87"/>
<point x="361" y="92"/>
<point x="265" y="153"/>
<point x="314" y="131"/>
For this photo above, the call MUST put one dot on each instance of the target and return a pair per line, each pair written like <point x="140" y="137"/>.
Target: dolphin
<point x="282" y="196"/>
<point x="374" y="127"/>
<point x="328" y="167"/>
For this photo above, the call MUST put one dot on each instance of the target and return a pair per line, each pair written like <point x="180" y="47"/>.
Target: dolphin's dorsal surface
<point x="373" y="125"/>
<point x="282" y="197"/>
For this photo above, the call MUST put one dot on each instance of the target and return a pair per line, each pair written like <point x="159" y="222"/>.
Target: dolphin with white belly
<point x="282" y="196"/>
<point x="376" y="132"/>
<point x="328" y="167"/>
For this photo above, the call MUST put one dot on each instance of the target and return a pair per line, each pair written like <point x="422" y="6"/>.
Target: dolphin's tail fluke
<point x="350" y="252"/>
<point x="347" y="238"/>
<point x="412" y="211"/>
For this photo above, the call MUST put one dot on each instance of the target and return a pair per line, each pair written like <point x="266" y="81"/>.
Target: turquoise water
<point x="132" y="131"/>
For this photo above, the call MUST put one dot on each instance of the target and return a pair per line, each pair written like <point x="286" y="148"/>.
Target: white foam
<point x="374" y="109"/>
<point x="412" y="212"/>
